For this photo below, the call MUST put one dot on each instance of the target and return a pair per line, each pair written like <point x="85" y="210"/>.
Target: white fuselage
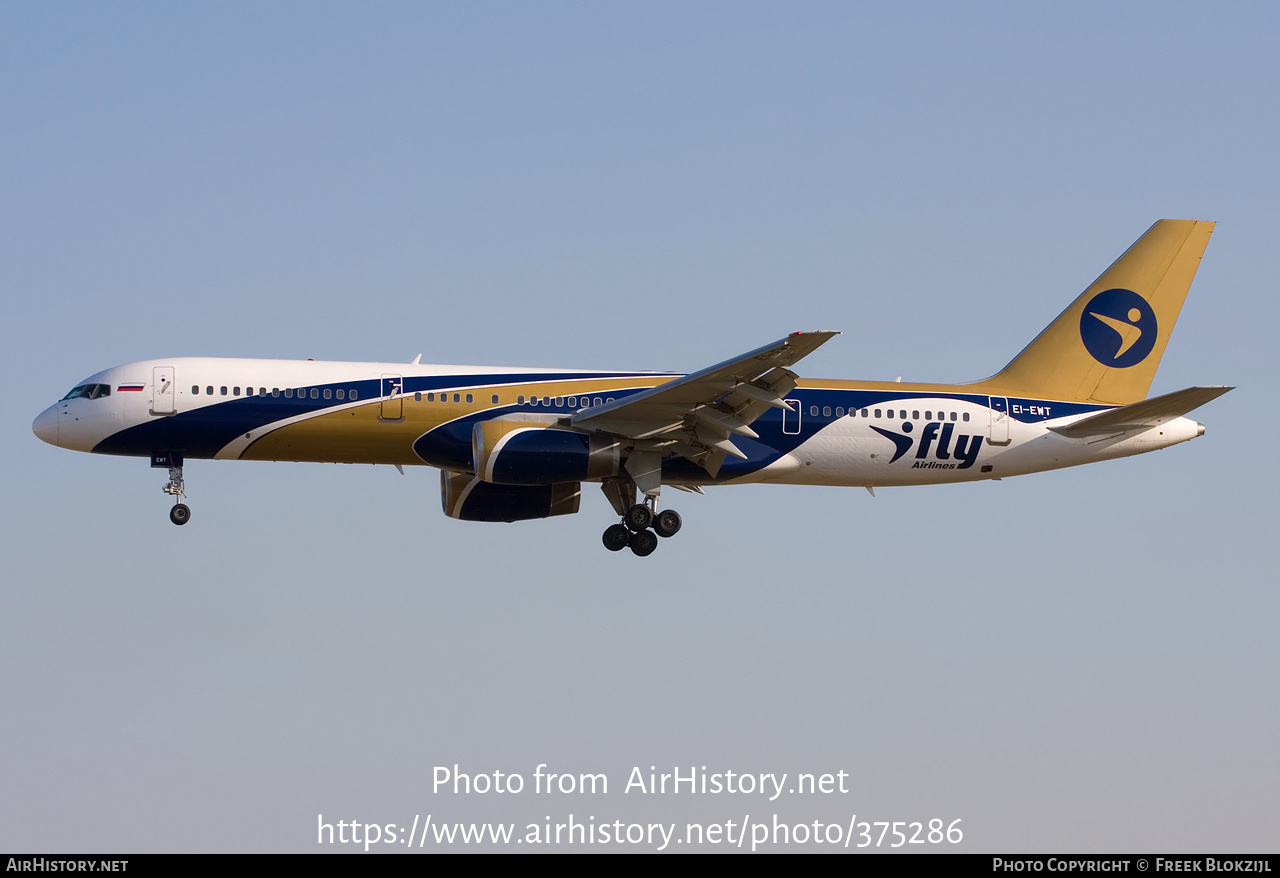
<point x="835" y="433"/>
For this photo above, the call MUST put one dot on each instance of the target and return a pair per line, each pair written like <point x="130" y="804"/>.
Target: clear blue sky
<point x="1075" y="661"/>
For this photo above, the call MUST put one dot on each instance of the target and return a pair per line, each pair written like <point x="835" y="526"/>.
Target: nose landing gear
<point x="181" y="512"/>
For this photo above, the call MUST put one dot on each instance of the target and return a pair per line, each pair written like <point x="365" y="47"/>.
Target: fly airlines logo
<point x="1118" y="328"/>
<point x="949" y="451"/>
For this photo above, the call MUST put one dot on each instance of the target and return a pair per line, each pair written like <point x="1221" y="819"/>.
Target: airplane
<point x="517" y="444"/>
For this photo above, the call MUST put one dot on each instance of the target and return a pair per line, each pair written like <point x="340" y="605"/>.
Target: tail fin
<point x="1106" y="346"/>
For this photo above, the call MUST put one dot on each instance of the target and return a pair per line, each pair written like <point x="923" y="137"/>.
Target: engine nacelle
<point x="466" y="497"/>
<point x="507" y="451"/>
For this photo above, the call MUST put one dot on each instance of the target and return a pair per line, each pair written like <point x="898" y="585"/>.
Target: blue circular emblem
<point x="1118" y="328"/>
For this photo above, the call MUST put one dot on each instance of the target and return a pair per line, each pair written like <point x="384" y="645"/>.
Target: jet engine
<point x="466" y="497"/>
<point x="516" y="452"/>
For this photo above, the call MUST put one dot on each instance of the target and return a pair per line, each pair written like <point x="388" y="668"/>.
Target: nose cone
<point x="46" y="425"/>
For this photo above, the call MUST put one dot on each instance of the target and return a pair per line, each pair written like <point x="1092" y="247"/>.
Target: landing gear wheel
<point x="616" y="538"/>
<point x="180" y="513"/>
<point x="638" y="518"/>
<point x="643" y="542"/>
<point x="667" y="523"/>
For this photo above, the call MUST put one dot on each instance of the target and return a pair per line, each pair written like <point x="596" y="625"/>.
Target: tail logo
<point x="1118" y="328"/>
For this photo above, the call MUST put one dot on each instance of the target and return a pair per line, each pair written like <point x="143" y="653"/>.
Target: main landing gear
<point x="641" y="527"/>
<point x="642" y="523"/>
<point x="181" y="512"/>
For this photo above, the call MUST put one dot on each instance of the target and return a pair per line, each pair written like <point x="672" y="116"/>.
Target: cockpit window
<point x="89" y="391"/>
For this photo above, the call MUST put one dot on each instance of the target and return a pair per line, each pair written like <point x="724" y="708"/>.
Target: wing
<point x="696" y="415"/>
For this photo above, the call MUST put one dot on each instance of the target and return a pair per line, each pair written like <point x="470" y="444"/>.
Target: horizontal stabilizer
<point x="1142" y="415"/>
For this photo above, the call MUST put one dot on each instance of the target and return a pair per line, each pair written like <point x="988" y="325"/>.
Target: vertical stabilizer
<point x="1106" y="346"/>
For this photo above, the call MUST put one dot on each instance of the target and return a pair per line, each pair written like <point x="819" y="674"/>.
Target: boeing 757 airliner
<point x="515" y="444"/>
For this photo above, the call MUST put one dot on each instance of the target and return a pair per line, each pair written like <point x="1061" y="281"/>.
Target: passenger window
<point x="826" y="411"/>
<point x="315" y="393"/>
<point x="224" y="390"/>
<point x="839" y="411"/>
<point x="275" y="391"/>
<point x="328" y="394"/>
<point x="288" y="393"/>
<point x="342" y="393"/>
<point x="966" y="416"/>
<point x="877" y="413"/>
<point x="468" y="397"/>
<point x="928" y="416"/>
<point x="235" y="391"/>
<point x="915" y="415"/>
<point x="209" y="390"/>
<point x="195" y="389"/>
<point x="457" y="398"/>
<point x="520" y="399"/>
<point x="813" y="409"/>
<point x="559" y="400"/>
<point x="573" y="402"/>
<point x="598" y="400"/>
<point x="864" y="413"/>
<point x="953" y="416"/>
<point x="495" y="399"/>
<point x="354" y="394"/>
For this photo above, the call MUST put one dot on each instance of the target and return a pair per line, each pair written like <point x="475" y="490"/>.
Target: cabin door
<point x="392" y="398"/>
<point x="999" y="431"/>
<point x="791" y="417"/>
<point x="163" y="391"/>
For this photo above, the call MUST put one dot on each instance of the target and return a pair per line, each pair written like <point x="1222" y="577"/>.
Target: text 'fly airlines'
<point x="515" y="444"/>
